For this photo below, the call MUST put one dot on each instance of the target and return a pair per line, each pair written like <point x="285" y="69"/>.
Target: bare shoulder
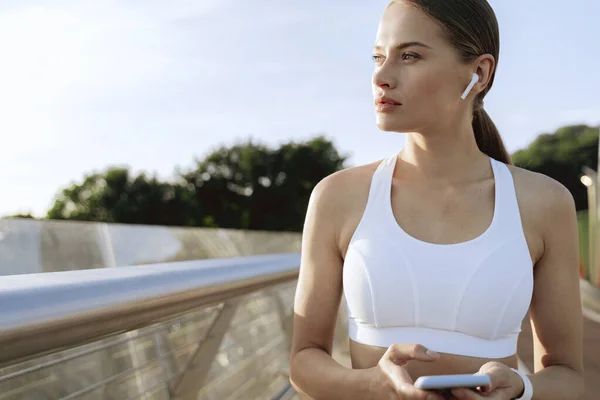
<point x="546" y="204"/>
<point x="341" y="198"/>
<point x="544" y="192"/>
<point x="337" y="186"/>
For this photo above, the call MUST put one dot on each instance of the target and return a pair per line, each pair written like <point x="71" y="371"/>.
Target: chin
<point x="387" y="124"/>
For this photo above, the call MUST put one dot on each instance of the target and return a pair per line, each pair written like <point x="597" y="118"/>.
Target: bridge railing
<point x="210" y="329"/>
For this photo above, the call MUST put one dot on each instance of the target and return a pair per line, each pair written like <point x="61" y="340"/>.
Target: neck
<point x="443" y="155"/>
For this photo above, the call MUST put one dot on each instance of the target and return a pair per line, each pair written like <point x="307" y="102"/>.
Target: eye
<point x="410" y="56"/>
<point x="378" y="59"/>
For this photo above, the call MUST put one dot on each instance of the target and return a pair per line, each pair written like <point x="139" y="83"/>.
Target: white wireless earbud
<point x="468" y="90"/>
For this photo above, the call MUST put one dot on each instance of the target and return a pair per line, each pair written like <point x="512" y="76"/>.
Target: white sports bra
<point x="467" y="298"/>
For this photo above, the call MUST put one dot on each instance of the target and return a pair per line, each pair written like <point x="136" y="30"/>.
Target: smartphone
<point x="443" y="382"/>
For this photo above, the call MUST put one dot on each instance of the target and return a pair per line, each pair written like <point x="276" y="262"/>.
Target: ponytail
<point x="488" y="138"/>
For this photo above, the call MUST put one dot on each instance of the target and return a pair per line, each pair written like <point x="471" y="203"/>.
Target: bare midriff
<point x="365" y="356"/>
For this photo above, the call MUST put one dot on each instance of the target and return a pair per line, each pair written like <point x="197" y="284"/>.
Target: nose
<point x="383" y="79"/>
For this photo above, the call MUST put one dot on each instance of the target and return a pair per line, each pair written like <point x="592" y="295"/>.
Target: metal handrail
<point x="44" y="312"/>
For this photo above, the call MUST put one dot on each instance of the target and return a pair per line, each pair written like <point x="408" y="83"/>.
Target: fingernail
<point x="432" y="354"/>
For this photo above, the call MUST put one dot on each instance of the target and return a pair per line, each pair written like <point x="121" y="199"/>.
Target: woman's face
<point x="418" y="68"/>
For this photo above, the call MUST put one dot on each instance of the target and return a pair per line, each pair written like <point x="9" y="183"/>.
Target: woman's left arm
<point x="555" y="312"/>
<point x="556" y="316"/>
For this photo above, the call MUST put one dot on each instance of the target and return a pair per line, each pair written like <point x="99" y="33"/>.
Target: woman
<point x="442" y="248"/>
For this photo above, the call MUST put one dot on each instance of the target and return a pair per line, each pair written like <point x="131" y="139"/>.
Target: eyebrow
<point x="405" y="45"/>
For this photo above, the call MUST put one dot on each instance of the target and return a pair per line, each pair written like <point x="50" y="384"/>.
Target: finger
<point x="484" y="389"/>
<point x="411" y="392"/>
<point x="466" y="394"/>
<point x="487" y="388"/>
<point x="497" y="372"/>
<point x="403" y="384"/>
<point x="399" y="376"/>
<point x="402" y="353"/>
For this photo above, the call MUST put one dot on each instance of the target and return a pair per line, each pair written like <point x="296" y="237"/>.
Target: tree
<point x="562" y="156"/>
<point x="250" y="186"/>
<point x="117" y="196"/>
<point x="244" y="186"/>
<point x="20" y="215"/>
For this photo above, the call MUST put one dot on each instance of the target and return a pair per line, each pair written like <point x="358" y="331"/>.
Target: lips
<point x="385" y="104"/>
<point x="386" y="100"/>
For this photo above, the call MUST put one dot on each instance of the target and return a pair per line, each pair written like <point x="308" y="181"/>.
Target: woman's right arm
<point x="313" y="371"/>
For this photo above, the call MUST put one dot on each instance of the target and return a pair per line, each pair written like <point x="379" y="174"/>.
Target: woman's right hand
<point x="390" y="380"/>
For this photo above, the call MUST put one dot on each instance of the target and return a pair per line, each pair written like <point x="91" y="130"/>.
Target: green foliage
<point x="27" y="216"/>
<point x="562" y="156"/>
<point x="584" y="259"/>
<point x="250" y="186"/>
<point x="244" y="186"/>
<point x="117" y="196"/>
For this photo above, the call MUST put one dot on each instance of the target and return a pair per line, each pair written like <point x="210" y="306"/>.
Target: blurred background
<point x="138" y="133"/>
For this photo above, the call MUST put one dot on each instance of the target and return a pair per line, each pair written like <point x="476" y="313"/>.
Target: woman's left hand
<point x="506" y="384"/>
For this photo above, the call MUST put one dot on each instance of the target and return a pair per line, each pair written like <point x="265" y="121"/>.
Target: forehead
<point x="403" y="23"/>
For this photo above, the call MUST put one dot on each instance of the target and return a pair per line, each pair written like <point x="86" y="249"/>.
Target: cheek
<point x="433" y="91"/>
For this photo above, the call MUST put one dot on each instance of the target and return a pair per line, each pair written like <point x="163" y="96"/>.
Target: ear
<point x="484" y="65"/>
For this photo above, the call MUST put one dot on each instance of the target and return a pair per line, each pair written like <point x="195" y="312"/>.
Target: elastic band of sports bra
<point x="439" y="340"/>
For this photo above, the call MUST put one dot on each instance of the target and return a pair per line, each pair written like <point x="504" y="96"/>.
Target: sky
<point x="155" y="84"/>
